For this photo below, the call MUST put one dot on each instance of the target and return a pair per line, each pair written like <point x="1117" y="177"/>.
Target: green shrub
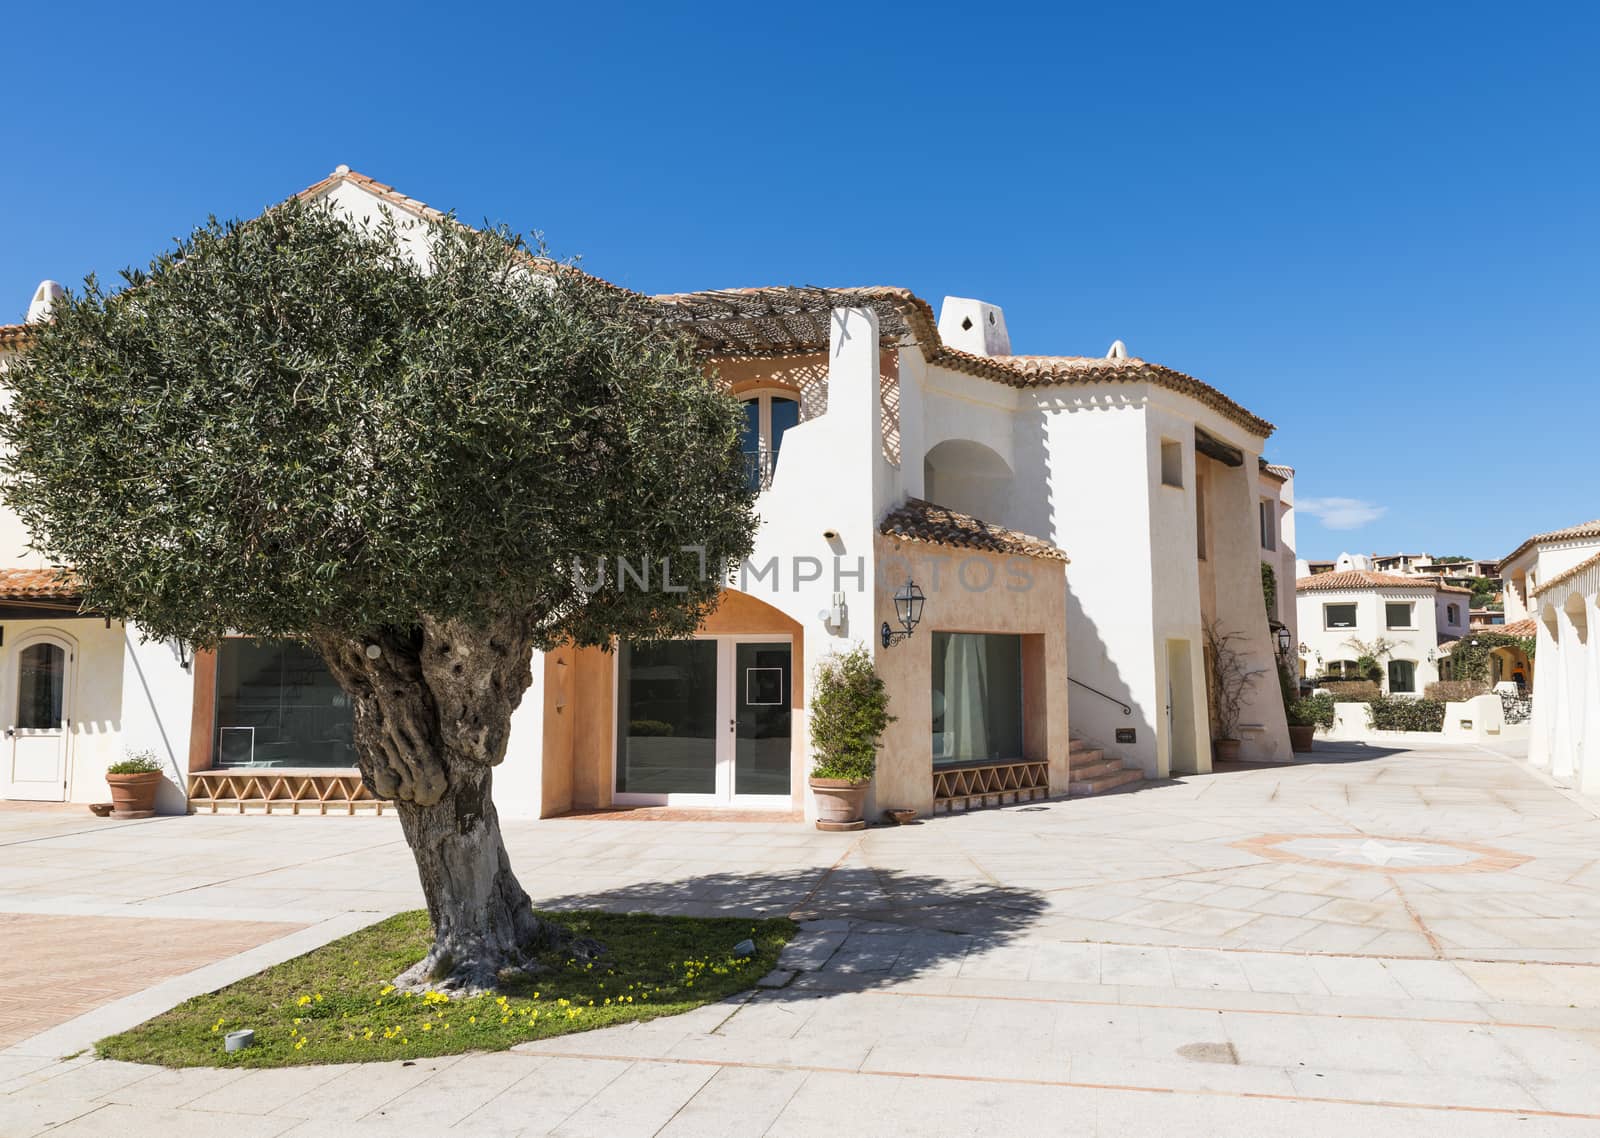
<point x="1455" y="691"/>
<point x="637" y="727"/>
<point x="849" y="713"/>
<point x="1352" y="691"/>
<point x="1313" y="711"/>
<point x="136" y="762"/>
<point x="1388" y="713"/>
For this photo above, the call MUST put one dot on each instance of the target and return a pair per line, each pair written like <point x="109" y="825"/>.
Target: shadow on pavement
<point x="860" y="925"/>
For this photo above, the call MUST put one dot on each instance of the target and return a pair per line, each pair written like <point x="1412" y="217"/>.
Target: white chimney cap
<point x="1117" y="351"/>
<point x="44" y="296"/>
<point x="974" y="326"/>
<point x="341" y="168"/>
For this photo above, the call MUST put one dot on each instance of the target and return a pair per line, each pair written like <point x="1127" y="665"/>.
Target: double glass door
<point x="704" y="722"/>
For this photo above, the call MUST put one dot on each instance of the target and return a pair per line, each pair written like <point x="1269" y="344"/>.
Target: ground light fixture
<point x="908" y="601"/>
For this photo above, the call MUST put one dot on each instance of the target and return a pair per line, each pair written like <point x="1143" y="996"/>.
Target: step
<point x="1083" y="745"/>
<point x="1084" y="758"/>
<point x="1088" y="771"/>
<point x="1079" y="788"/>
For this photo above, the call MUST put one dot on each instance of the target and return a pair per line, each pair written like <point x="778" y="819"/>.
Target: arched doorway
<point x="38" y="723"/>
<point x="969" y="478"/>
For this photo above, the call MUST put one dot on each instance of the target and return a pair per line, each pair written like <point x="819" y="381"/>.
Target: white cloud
<point x="1341" y="513"/>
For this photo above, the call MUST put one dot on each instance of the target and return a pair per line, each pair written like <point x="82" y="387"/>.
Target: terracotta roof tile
<point x="1363" y="579"/>
<point x="920" y="521"/>
<point x="783" y="320"/>
<point x="1559" y="578"/>
<point x="1582" y="529"/>
<point x="13" y="335"/>
<point x="36" y="584"/>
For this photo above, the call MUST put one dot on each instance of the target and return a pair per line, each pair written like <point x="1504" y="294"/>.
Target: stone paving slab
<point x="1417" y="955"/>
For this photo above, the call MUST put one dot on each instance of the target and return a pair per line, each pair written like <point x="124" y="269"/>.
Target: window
<point x="767" y="415"/>
<point x="277" y="706"/>
<point x="1452" y="614"/>
<point x="977" y="697"/>
<point x="1269" y="524"/>
<point x="1171" y="463"/>
<point x="1339" y="616"/>
<point x="1397" y="614"/>
<point x="1199" y="516"/>
<point x="1402" y="677"/>
<point x="41" y="686"/>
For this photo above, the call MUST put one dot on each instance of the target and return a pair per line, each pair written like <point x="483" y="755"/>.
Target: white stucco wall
<point x="1412" y="644"/>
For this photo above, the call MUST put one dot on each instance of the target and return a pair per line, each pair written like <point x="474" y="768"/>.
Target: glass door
<point x="762" y="744"/>
<point x="704" y="722"/>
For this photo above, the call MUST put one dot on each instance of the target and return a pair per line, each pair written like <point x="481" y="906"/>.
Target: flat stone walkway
<point x="1377" y="942"/>
<point x="90" y="961"/>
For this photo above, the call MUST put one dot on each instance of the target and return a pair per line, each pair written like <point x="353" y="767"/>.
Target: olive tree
<point x="416" y="447"/>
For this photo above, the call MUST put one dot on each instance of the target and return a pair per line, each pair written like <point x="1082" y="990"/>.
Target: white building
<point x="889" y="445"/>
<point x="1552" y="593"/>
<point x="1400" y="621"/>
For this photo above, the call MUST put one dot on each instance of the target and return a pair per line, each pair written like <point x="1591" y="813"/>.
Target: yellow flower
<point x="427" y="1027"/>
<point x="472" y="1019"/>
<point x="303" y="1001"/>
<point x="387" y="988"/>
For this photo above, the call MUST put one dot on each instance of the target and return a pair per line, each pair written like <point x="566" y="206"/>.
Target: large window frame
<point x="1327" y="616"/>
<point x="763" y="459"/>
<point x="1410" y="607"/>
<point x="1003" y="705"/>
<point x="1402" y="675"/>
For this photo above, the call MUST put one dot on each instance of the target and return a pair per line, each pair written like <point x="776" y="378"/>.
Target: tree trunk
<point x="432" y="713"/>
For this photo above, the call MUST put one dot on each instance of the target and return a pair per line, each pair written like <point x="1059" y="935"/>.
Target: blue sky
<point x="1374" y="225"/>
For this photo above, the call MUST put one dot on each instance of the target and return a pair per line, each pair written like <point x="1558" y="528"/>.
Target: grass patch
<point x="335" y="1005"/>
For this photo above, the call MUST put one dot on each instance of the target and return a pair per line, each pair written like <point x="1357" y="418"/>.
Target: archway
<point x="970" y="478"/>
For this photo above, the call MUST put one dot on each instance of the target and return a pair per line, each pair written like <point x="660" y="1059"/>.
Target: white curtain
<point x="966" y="695"/>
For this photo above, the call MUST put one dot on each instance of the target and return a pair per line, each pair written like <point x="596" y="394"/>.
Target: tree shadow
<point x="859" y="926"/>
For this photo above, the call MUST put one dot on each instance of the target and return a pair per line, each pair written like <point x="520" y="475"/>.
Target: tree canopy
<point x="425" y="451"/>
<point x="300" y="423"/>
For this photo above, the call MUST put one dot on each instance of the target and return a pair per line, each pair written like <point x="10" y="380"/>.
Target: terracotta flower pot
<point x="133" y="795"/>
<point x="1301" y="738"/>
<point x="840" y="803"/>
<point x="1228" y="750"/>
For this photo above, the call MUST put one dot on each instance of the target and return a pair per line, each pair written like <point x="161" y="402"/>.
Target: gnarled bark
<point x="432" y="713"/>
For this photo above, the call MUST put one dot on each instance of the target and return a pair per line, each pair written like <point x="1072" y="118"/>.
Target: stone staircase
<point x="1091" y="771"/>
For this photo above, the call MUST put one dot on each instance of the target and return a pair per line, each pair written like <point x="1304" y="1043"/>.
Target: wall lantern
<point x="908" y="601"/>
<point x="1284" y="640"/>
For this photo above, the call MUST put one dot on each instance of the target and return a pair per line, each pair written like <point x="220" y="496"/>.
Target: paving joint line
<point x="1003" y="1080"/>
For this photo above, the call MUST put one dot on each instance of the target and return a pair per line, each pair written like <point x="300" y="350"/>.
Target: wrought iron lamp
<point x="908" y="601"/>
<point x="1284" y="640"/>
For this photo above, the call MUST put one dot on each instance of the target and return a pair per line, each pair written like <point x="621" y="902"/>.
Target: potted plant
<point x="849" y="713"/>
<point x="133" y="783"/>
<point x="1230" y="680"/>
<point x="1302" y="725"/>
<point x="1300" y="713"/>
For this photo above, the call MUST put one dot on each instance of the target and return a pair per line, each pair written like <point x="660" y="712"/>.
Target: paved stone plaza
<point x="1378" y="942"/>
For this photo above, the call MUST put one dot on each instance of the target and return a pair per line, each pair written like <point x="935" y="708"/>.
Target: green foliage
<point x="1483" y="591"/>
<point x="849" y="714"/>
<point x="287" y="426"/>
<point x="1388" y="713"/>
<point x="136" y="762"/>
<point x="1469" y="657"/>
<point x="649" y="727"/>
<point x="1316" y="710"/>
<point x="1269" y="587"/>
<point x="333" y="1005"/>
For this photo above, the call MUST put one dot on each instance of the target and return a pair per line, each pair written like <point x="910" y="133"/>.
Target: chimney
<point x="974" y="326"/>
<point x="44" y="296"/>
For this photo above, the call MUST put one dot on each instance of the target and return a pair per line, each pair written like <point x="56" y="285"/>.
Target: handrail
<point x="1126" y="710"/>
